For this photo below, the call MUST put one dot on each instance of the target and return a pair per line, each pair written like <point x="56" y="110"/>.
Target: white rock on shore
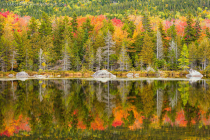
<point x="103" y="74"/>
<point x="22" y="74"/>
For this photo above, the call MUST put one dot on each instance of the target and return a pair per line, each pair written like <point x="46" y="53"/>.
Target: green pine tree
<point x="189" y="31"/>
<point x="184" y="58"/>
<point x="74" y="23"/>
<point x="46" y="25"/>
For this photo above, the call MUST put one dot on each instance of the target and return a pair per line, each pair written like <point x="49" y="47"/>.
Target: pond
<point x="116" y="109"/>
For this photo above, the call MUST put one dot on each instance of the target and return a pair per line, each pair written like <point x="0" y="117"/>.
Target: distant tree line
<point x="112" y="8"/>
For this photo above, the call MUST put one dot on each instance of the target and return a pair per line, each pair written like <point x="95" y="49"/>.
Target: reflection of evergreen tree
<point x="130" y="119"/>
<point x="165" y="105"/>
<point x="88" y="118"/>
<point x="21" y="103"/>
<point x="147" y="100"/>
<point x="184" y="92"/>
<point x="74" y="123"/>
<point x="46" y="121"/>
<point x="190" y="113"/>
<point x="58" y="106"/>
<point x="2" y="102"/>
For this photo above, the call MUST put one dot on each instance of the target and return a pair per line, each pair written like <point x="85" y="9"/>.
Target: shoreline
<point x="87" y="74"/>
<point x="105" y="79"/>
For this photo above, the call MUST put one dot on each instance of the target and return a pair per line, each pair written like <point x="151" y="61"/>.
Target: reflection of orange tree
<point x="127" y="116"/>
<point x="15" y="126"/>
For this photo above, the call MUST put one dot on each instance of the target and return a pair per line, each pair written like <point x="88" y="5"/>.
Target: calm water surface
<point x="120" y="109"/>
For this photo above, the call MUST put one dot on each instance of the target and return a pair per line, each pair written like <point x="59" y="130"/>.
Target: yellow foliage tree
<point x="147" y="52"/>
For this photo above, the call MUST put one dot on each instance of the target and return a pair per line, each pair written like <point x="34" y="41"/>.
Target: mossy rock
<point x="68" y="74"/>
<point x="177" y="74"/>
<point x="143" y="74"/>
<point x="86" y="75"/>
<point x="124" y="74"/>
<point x="77" y="74"/>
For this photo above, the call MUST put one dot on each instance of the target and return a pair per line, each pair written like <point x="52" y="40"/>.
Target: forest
<point x="110" y="8"/>
<point x="97" y="42"/>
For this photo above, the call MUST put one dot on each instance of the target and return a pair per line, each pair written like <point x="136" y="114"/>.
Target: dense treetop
<point x="111" y="8"/>
<point x="96" y="42"/>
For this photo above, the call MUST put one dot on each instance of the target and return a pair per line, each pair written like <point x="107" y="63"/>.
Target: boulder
<point x="150" y="69"/>
<point x="10" y="75"/>
<point x="22" y="74"/>
<point x="136" y="75"/>
<point x="40" y="76"/>
<point x="130" y="75"/>
<point x="103" y="74"/>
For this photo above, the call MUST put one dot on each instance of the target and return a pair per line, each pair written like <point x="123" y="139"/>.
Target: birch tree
<point x="107" y="49"/>
<point x="173" y="53"/>
<point x="99" y="57"/>
<point x="41" y="58"/>
<point x="159" y="101"/>
<point x="173" y="46"/>
<point x="67" y="53"/>
<point x="204" y="49"/>
<point x="159" y="46"/>
<point x="13" y="60"/>
<point x="66" y="57"/>
<point x="124" y="59"/>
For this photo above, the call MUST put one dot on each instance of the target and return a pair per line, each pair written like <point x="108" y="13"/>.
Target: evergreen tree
<point x="184" y="58"/>
<point x="23" y="50"/>
<point x="193" y="54"/>
<point x="45" y="28"/>
<point x="87" y="26"/>
<point x="172" y="31"/>
<point x="146" y="23"/>
<point x="67" y="50"/>
<point x="165" y="42"/>
<point x="89" y="56"/>
<point x="189" y="31"/>
<point x="33" y="27"/>
<point x="74" y="23"/>
<point x="129" y="26"/>
<point x="8" y="46"/>
<point x="1" y="25"/>
<point x="61" y="30"/>
<point x="197" y="29"/>
<point x="147" y="52"/>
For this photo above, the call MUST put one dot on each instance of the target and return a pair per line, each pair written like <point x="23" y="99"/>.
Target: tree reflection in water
<point x="113" y="110"/>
